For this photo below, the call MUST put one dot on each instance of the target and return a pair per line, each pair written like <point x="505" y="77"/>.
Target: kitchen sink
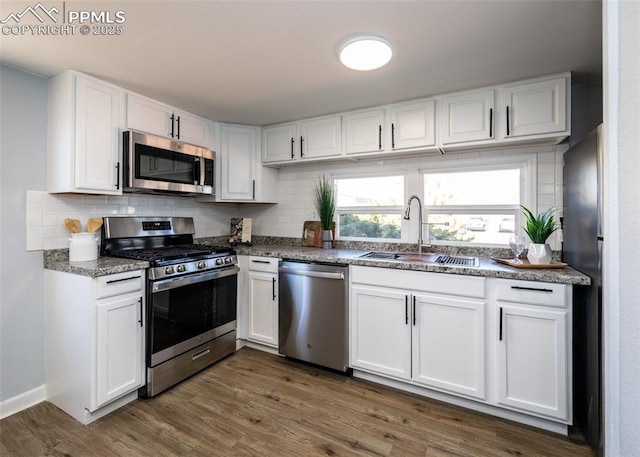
<point x="439" y="259"/>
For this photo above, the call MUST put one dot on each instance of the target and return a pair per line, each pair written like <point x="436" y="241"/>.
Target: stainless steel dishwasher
<point x="313" y="313"/>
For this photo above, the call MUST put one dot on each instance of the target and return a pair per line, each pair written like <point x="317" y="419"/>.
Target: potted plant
<point x="325" y="201"/>
<point x="539" y="228"/>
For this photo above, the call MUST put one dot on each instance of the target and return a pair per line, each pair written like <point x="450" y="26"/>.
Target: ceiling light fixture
<point x="366" y="52"/>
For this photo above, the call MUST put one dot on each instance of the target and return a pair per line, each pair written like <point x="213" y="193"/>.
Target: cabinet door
<point x="321" y="137"/>
<point x="280" y="143"/>
<point x="536" y="108"/>
<point x="237" y="161"/>
<point x="119" y="348"/>
<point x="413" y="125"/>
<point x="263" y="308"/>
<point x="449" y="344"/>
<point x="97" y="136"/>
<point x="149" y="116"/>
<point x="190" y="128"/>
<point x="364" y="131"/>
<point x="532" y="360"/>
<point x="467" y="117"/>
<point x="381" y="331"/>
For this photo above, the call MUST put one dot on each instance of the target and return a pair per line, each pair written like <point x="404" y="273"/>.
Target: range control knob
<point x="202" y="264"/>
<point x="219" y="261"/>
<point x="181" y="268"/>
<point x="168" y="270"/>
<point x="227" y="260"/>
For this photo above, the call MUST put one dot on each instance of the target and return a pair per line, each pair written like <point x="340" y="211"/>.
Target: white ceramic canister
<point x="83" y="246"/>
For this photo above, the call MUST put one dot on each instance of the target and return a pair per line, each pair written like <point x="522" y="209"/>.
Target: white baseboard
<point x="22" y="401"/>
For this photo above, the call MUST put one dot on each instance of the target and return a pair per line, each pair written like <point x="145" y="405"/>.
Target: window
<point x="370" y="208"/>
<point x="474" y="205"/>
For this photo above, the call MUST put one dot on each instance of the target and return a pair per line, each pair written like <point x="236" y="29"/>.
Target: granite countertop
<point x="488" y="268"/>
<point x="58" y="260"/>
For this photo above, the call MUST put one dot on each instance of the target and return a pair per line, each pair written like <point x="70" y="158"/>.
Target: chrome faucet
<point x="407" y="214"/>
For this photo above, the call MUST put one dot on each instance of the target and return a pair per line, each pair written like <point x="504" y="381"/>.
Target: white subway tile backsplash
<point x="45" y="214"/>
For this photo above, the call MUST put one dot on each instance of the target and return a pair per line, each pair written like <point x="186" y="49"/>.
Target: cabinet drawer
<point x="121" y="283"/>
<point x="266" y="264"/>
<point x="531" y="292"/>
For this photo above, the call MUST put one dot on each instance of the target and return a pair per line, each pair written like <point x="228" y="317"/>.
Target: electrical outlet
<point x="314" y="216"/>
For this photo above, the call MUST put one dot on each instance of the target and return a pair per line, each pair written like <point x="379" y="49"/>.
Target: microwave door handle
<point x="197" y="172"/>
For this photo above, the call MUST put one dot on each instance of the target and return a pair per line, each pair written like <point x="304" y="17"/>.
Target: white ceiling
<point x="264" y="62"/>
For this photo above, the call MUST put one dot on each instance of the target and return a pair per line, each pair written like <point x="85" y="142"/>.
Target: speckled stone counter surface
<point x="345" y="253"/>
<point x="487" y="268"/>
<point x="58" y="259"/>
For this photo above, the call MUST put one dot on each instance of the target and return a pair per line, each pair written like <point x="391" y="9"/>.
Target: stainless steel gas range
<point x="191" y="295"/>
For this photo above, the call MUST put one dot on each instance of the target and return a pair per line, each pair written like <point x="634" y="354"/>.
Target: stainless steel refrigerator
<point x="582" y="250"/>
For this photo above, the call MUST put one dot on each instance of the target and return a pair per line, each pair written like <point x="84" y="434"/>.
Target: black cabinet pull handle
<point x="406" y="310"/>
<point x="414" y="310"/>
<point x="178" y="121"/>
<point x="273" y="288"/>
<point x="118" y="175"/>
<point x="535" y="289"/>
<point x="261" y="261"/>
<point x="254" y="189"/>
<point x="490" y="122"/>
<point x="140" y="302"/>
<point x="508" y="129"/>
<point x="301" y="143"/>
<point x="380" y="137"/>
<point x="393" y="136"/>
<point x="501" y="323"/>
<point x="292" y="141"/>
<point x="128" y="278"/>
<point x="173" y="118"/>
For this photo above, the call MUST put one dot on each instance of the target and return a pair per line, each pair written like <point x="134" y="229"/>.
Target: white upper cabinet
<point x="413" y="125"/>
<point x="467" y="117"/>
<point x="147" y="115"/>
<point x="240" y="175"/>
<point x="364" y="131"/>
<point x="84" y="135"/>
<point x="279" y="142"/>
<point x="238" y="149"/>
<point x="536" y="108"/>
<point x="310" y="139"/>
<point x="321" y="137"/>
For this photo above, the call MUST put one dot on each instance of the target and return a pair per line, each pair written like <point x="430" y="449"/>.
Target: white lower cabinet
<point x="262" y="300"/>
<point x="94" y="341"/>
<point x="449" y="344"/>
<point x="432" y="339"/>
<point x="503" y="345"/>
<point x="118" y="342"/>
<point x="533" y="359"/>
<point x="380" y="331"/>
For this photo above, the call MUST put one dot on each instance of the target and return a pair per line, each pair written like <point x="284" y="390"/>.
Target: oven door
<point x="187" y="311"/>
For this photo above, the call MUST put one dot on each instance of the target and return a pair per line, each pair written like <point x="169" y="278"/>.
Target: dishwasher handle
<point x="312" y="274"/>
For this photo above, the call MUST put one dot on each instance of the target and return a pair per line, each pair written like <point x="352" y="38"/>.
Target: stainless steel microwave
<point x="154" y="164"/>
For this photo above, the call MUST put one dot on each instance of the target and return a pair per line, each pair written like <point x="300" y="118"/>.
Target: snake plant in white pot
<point x="539" y="228"/>
<point x="325" y="200"/>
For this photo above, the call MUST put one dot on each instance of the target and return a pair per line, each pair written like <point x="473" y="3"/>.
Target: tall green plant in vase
<point x="325" y="201"/>
<point x="539" y="228"/>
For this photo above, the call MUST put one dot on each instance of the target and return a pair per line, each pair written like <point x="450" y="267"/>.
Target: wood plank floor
<point x="257" y="404"/>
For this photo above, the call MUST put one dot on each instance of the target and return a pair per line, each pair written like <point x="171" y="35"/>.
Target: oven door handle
<point x="172" y="283"/>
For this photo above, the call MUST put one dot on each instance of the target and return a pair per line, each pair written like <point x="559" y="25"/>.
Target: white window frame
<point x="373" y="209"/>
<point x="527" y="163"/>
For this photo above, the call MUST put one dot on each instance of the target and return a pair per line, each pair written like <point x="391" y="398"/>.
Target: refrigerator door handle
<point x="600" y="171"/>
